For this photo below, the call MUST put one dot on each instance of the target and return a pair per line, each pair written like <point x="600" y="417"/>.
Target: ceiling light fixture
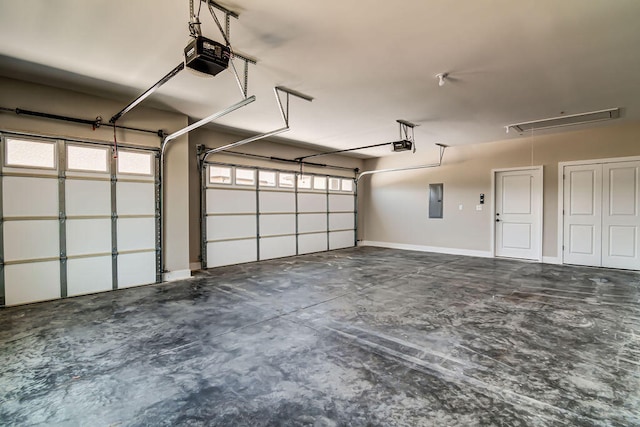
<point x="570" y="120"/>
<point x="441" y="78"/>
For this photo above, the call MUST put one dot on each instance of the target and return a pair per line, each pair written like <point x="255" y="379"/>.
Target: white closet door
<point x="621" y="215"/>
<point x="583" y="214"/>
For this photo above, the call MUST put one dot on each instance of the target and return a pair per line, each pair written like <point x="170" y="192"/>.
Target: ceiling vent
<point x="574" y="119"/>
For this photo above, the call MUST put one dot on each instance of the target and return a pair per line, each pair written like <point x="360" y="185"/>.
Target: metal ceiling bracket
<point x="405" y="126"/>
<point x="284" y="112"/>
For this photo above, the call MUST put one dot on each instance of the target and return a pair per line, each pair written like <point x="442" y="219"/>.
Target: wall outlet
<point x="460" y="207"/>
<point x="478" y="207"/>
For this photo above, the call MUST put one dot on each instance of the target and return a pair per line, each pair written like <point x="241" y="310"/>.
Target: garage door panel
<point x="136" y="269"/>
<point x="310" y="223"/>
<point x="23" y="196"/>
<point x="341" y="202"/>
<point x="31" y="282"/>
<point x="230" y="227"/>
<point x="27" y="240"/>
<point x="230" y="201"/>
<point x="271" y="201"/>
<point x="136" y="234"/>
<point x="312" y="202"/>
<point x="231" y="252"/>
<point x="341" y="239"/>
<point x="88" y="236"/>
<point x="135" y="198"/>
<point x="89" y="275"/>
<point x="341" y="221"/>
<point x="85" y="197"/>
<point x="309" y="243"/>
<point x="277" y="247"/>
<point x="277" y="224"/>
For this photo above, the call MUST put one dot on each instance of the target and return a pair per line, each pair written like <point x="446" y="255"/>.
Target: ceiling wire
<point x="531" y="146"/>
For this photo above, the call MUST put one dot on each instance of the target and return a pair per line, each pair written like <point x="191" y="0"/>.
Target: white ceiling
<point x="366" y="63"/>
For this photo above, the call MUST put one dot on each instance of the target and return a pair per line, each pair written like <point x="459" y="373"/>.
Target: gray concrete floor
<point x="362" y="336"/>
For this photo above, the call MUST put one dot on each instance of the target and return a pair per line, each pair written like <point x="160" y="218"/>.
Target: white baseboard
<point x="176" y="275"/>
<point x="195" y="266"/>
<point x="421" y="248"/>
<point x="551" y="260"/>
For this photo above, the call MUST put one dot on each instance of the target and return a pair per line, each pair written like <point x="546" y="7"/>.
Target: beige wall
<point x="394" y="206"/>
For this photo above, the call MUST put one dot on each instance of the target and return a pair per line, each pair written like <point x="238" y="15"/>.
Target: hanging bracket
<point x="284" y="112"/>
<point x="406" y="135"/>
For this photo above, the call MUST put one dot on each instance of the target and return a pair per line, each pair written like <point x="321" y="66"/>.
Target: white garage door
<point x="252" y="214"/>
<point x="75" y="220"/>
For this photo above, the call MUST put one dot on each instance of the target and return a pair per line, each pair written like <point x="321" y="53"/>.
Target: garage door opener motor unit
<point x="206" y="56"/>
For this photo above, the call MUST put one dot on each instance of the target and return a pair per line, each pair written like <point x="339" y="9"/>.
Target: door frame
<point x="561" y="166"/>
<point x="540" y="212"/>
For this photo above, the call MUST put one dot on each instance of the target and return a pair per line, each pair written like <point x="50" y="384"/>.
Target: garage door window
<point x="31" y="154"/>
<point x="219" y="175"/>
<point x="319" y="183"/>
<point x="135" y="163"/>
<point x="87" y="159"/>
<point x="245" y="177"/>
<point x="267" y="179"/>
<point x="347" y="185"/>
<point x="286" y="180"/>
<point x="304" y="181"/>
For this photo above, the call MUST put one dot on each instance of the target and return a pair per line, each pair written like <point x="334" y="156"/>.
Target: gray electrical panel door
<point x="435" y="200"/>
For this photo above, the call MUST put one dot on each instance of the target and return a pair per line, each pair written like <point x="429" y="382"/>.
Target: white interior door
<point x="519" y="214"/>
<point x="621" y="215"/>
<point x="583" y="214"/>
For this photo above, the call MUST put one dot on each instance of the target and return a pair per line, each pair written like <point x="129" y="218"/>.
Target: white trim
<point x="551" y="260"/>
<point x="170" y="276"/>
<point x="539" y="168"/>
<point x="596" y="161"/>
<point x="422" y="248"/>
<point x="561" y="166"/>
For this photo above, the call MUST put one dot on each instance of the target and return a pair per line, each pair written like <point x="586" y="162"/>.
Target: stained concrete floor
<point x="357" y="337"/>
